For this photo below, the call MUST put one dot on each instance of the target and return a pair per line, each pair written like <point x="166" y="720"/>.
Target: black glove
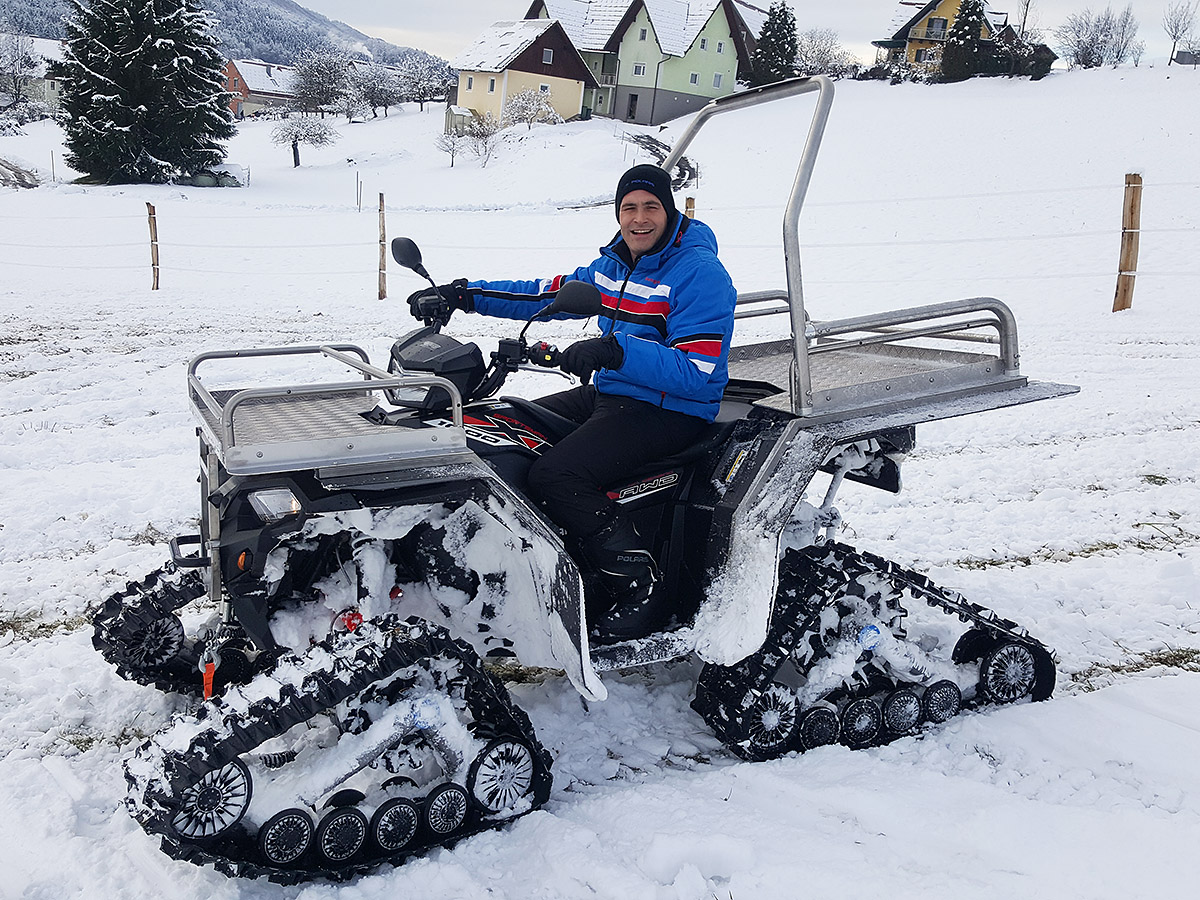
<point x="435" y="304"/>
<point x="585" y="357"/>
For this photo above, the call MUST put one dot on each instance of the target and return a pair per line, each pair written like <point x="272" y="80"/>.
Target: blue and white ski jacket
<point x="672" y="314"/>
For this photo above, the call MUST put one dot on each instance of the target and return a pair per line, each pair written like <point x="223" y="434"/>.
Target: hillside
<point x="270" y="30"/>
<point x="1079" y="518"/>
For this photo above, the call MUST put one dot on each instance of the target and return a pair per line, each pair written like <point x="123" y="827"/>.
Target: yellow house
<point x="511" y="57"/>
<point x="921" y="29"/>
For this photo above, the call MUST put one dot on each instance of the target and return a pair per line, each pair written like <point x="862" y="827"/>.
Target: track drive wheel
<point x="214" y="804"/>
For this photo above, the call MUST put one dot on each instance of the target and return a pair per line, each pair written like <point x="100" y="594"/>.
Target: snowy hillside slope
<point x="1079" y="518"/>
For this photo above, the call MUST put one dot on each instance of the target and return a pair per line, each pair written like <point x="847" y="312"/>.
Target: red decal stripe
<point x="704" y="348"/>
<point x="638" y="307"/>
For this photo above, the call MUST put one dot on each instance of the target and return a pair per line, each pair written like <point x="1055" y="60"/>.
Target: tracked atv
<point x="368" y="549"/>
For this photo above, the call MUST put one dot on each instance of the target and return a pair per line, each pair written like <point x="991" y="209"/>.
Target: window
<point x="544" y="88"/>
<point x="235" y="84"/>
<point x="548" y="56"/>
<point x="937" y="28"/>
<point x="694" y="78"/>
<point x="717" y="80"/>
<point x="642" y="35"/>
<point x="491" y="85"/>
<point x="639" y="68"/>
<point x="703" y="43"/>
<point x="470" y="82"/>
<point x="720" y="46"/>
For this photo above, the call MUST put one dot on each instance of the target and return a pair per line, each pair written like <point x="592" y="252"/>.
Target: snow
<point x="1079" y="518"/>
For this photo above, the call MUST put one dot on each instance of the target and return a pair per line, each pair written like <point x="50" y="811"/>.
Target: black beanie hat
<point x="647" y="178"/>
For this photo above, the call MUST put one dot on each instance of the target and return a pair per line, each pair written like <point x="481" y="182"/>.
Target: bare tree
<point x="1088" y="39"/>
<point x="1027" y="27"/>
<point x="18" y="63"/>
<point x="483" y="137"/>
<point x="452" y="144"/>
<point x="377" y="86"/>
<point x="819" y="52"/>
<point x="529" y="106"/>
<point x="1122" y="35"/>
<point x="303" y="130"/>
<point x="1179" y="22"/>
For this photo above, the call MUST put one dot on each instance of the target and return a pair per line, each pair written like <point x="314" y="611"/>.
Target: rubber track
<point x="158" y="594"/>
<point x="810" y="580"/>
<point x="358" y="663"/>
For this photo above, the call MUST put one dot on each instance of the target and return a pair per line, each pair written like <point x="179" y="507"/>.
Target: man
<point x="660" y="370"/>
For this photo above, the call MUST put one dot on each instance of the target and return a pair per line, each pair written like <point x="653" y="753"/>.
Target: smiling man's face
<point x="643" y="221"/>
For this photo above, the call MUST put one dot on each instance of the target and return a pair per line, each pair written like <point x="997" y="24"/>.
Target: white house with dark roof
<point x="511" y="57"/>
<point x="655" y="60"/>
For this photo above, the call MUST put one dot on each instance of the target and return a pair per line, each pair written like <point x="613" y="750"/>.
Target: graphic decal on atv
<point x="644" y="487"/>
<point x="502" y="431"/>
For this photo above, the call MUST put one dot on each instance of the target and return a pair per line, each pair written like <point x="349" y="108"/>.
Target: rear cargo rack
<point x="906" y="361"/>
<point x="318" y="424"/>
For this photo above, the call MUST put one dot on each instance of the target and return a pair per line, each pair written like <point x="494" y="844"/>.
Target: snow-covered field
<point x="1079" y="518"/>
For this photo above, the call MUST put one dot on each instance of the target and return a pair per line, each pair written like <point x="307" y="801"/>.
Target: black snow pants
<point x="616" y="436"/>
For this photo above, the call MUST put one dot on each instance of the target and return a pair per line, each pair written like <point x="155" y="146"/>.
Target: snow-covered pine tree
<point x="964" y="54"/>
<point x="775" y="56"/>
<point x="143" y="90"/>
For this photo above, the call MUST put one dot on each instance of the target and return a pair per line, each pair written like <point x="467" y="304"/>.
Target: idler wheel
<point x="395" y="824"/>
<point x="772" y="722"/>
<point x="501" y="775"/>
<point x="285" y="837"/>
<point x="818" y="727"/>
<point x="1008" y="673"/>
<point x="341" y="834"/>
<point x="942" y="701"/>
<point x="901" y="711"/>
<point x="215" y="803"/>
<point x="862" y="720"/>
<point x="446" y="809"/>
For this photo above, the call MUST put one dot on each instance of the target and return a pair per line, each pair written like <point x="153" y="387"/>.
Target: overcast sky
<point x="448" y="26"/>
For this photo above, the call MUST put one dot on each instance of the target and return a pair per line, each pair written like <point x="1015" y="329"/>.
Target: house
<point x="257" y="85"/>
<point x="920" y="30"/>
<point x="511" y="57"/>
<point x="38" y="56"/>
<point x="656" y="60"/>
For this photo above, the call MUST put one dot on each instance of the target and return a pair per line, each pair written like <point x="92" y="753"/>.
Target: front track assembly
<point x="837" y="664"/>
<point x="371" y="747"/>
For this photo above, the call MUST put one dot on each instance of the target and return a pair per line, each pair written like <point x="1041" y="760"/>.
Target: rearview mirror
<point x="577" y="298"/>
<point x="406" y="252"/>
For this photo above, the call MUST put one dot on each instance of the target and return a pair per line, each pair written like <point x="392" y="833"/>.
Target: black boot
<point x="629" y="574"/>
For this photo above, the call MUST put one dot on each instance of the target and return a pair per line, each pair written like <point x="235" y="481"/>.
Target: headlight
<point x="274" y="504"/>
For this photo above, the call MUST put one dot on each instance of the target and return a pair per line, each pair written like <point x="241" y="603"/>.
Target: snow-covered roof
<point x="497" y="47"/>
<point x="591" y="23"/>
<point x="265" y="78"/>
<point x="909" y="11"/>
<point x="44" y="50"/>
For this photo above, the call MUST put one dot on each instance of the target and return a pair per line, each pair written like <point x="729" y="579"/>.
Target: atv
<point x="367" y="555"/>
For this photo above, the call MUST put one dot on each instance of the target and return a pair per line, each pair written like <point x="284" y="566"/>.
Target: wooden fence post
<point x="1131" y="228"/>
<point x="382" y="252"/>
<point x="689" y="207"/>
<point x="153" y="243"/>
